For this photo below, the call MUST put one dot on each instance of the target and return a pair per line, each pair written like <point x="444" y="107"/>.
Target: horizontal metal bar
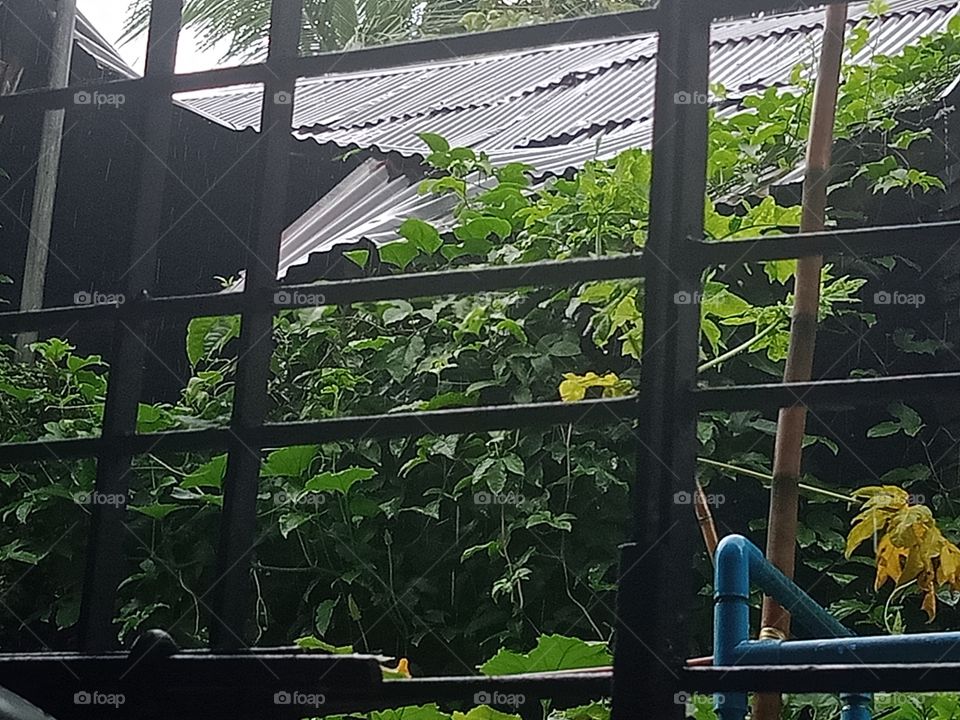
<point x="384" y="57"/>
<point x="827" y="394"/>
<point x="859" y="242"/>
<point x="406" y="424"/>
<point x="252" y="681"/>
<point x="899" y="677"/>
<point x="334" y="292"/>
<point x="246" y="685"/>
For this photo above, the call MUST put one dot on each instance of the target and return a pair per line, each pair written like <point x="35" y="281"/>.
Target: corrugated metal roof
<point x="553" y="108"/>
<point x="89" y="39"/>
<point x="563" y="92"/>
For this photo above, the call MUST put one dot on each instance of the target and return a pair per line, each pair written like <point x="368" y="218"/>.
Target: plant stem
<point x="768" y="479"/>
<point x="742" y="347"/>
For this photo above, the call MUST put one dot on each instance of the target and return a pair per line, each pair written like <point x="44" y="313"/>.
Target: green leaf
<point x="483" y="712"/>
<point x="435" y="142"/>
<point x="291" y="462"/>
<point x="411" y="712"/>
<point x="151" y="418"/>
<point x="14" y="551"/>
<point x="353" y="609"/>
<point x="422" y="234"/>
<point x="400" y="253"/>
<point x="358" y="257"/>
<point x="340" y="482"/>
<point x="449" y="399"/>
<point x="157" y="511"/>
<point x="208" y="335"/>
<point x="903" y="338"/>
<point x="553" y="652"/>
<point x="289" y="522"/>
<point x="397" y="310"/>
<point x="209" y="474"/>
<point x="19" y="393"/>
<point x="884" y="429"/>
<point x="323" y="614"/>
<point x="310" y="642"/>
<point x="909" y="419"/>
<point x="483" y="227"/>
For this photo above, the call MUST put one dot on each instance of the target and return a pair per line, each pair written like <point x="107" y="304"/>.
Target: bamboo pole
<point x="708" y="528"/>
<point x="791" y="423"/>
<point x="48" y="166"/>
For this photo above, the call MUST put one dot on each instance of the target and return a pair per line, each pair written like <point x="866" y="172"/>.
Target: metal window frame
<point x="652" y="608"/>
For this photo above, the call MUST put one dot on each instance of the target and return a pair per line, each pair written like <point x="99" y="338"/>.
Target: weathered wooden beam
<point x="48" y="167"/>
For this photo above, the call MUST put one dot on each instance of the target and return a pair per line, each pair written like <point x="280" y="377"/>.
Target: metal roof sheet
<point x="515" y="99"/>
<point x="554" y="108"/>
<point x="89" y="39"/>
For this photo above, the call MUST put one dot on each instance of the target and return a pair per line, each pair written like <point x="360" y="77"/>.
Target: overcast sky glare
<point x="108" y="16"/>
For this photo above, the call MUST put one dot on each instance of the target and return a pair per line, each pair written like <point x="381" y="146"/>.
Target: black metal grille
<point x="652" y="608"/>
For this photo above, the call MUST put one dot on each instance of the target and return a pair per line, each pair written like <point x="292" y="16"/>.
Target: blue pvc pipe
<point x="920" y="648"/>
<point x="856" y="706"/>
<point x="731" y="616"/>
<point x="737" y="562"/>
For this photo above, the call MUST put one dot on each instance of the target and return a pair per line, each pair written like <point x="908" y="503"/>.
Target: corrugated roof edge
<point x="857" y="12"/>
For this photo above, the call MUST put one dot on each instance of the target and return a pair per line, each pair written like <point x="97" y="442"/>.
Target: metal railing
<point x="651" y="643"/>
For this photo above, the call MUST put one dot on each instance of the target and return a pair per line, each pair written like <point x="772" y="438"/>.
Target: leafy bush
<point x="447" y="548"/>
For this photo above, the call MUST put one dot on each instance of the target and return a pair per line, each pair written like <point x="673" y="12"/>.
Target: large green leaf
<point x="340" y="482"/>
<point x="400" y="253"/>
<point x="206" y="335"/>
<point x="553" y="652"/>
<point x="209" y="474"/>
<point x="422" y="234"/>
<point x="289" y="462"/>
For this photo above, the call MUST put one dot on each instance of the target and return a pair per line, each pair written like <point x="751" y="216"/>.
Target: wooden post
<point x="48" y="166"/>
<point x="791" y="423"/>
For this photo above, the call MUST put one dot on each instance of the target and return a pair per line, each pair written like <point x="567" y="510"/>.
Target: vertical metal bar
<point x="105" y="548"/>
<point x="651" y="641"/>
<point x="238" y="521"/>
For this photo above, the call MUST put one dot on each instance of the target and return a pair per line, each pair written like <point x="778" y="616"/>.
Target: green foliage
<point x="451" y="549"/>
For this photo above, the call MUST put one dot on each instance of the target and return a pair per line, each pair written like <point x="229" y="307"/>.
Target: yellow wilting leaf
<point x="574" y="387"/>
<point x="888" y="562"/>
<point x="910" y="545"/>
<point x="949" y="570"/>
<point x="889" y="497"/>
<point x="865" y="525"/>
